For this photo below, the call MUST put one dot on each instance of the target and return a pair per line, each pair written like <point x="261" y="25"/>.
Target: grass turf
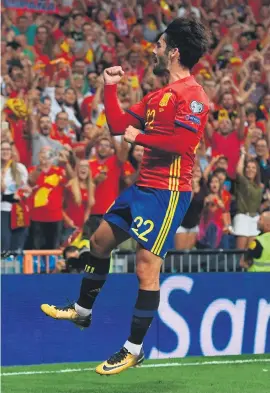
<point x="236" y="377"/>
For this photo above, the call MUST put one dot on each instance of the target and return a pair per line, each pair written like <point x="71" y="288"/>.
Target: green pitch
<point x="234" y="374"/>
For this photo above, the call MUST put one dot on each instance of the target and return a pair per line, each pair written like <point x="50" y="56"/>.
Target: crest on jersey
<point x="165" y="99"/>
<point x="196" y="107"/>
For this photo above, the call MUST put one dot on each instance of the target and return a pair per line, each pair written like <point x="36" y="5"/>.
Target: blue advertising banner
<point x="201" y="314"/>
<point x="44" y="6"/>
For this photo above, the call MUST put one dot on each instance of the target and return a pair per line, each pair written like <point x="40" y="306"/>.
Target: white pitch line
<point x="66" y="370"/>
<point x="157" y="365"/>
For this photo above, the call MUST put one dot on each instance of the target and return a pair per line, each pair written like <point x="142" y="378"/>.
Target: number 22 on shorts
<point x="148" y="225"/>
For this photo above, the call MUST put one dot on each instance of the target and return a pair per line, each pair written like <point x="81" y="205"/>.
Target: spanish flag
<point x="65" y="47"/>
<point x="134" y="82"/>
<point x="38" y="66"/>
<point x="18" y="107"/>
<point x="61" y="60"/>
<point x="236" y="61"/>
<point x="101" y="120"/>
<point x="205" y="74"/>
<point x="165" y="8"/>
<point x="147" y="46"/>
<point x="264" y="111"/>
<point x="89" y="57"/>
<point x="109" y="26"/>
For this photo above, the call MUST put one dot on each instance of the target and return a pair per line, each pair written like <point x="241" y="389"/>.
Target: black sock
<point x="95" y="275"/>
<point x="144" y="312"/>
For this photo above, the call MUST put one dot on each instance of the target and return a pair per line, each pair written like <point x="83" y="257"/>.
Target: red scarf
<point x="20" y="213"/>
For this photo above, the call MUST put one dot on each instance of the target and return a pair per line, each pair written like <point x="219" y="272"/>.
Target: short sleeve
<point x="127" y="169"/>
<point x="138" y="111"/>
<point x="94" y="168"/>
<point x="242" y="180"/>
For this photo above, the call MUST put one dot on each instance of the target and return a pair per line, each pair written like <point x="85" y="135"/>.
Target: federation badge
<point x="165" y="99"/>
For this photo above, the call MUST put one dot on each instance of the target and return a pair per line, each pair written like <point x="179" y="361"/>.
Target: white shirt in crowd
<point x="194" y="10"/>
<point x="71" y="115"/>
<point x="55" y="107"/>
<point x="11" y="186"/>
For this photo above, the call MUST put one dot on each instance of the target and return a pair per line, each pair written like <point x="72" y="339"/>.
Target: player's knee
<point x="98" y="247"/>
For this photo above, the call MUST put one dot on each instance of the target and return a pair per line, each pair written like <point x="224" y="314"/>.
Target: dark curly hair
<point x="190" y="37"/>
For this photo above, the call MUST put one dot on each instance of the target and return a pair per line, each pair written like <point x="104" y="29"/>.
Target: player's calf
<point x="95" y="274"/>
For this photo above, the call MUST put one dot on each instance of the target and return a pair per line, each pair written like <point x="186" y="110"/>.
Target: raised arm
<point x="210" y="166"/>
<point x="91" y="196"/>
<point x="34" y="175"/>
<point x="117" y="119"/>
<point x="121" y="149"/>
<point x="241" y="162"/>
<point x="242" y="115"/>
<point x="209" y="131"/>
<point x="64" y="160"/>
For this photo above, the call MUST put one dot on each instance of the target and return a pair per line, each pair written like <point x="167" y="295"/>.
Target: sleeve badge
<point x="196" y="107"/>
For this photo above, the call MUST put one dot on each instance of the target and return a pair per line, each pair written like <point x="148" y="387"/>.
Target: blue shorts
<point x="150" y="216"/>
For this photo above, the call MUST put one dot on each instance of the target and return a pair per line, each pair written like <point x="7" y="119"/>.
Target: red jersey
<point x="107" y="191"/>
<point x="47" y="197"/>
<point x="217" y="213"/>
<point x="62" y="138"/>
<point x="86" y="106"/>
<point x="228" y="146"/>
<point x="179" y="109"/>
<point x="76" y="212"/>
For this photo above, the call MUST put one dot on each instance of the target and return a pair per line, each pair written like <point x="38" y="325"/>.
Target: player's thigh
<point x="191" y="240"/>
<point x="106" y="238"/>
<point x="241" y="242"/>
<point x="180" y="241"/>
<point x="148" y="269"/>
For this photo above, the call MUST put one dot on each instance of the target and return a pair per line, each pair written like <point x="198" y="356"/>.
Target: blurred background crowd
<point x="61" y="170"/>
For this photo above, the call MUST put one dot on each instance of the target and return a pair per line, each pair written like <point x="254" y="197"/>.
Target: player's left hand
<point x="131" y="134"/>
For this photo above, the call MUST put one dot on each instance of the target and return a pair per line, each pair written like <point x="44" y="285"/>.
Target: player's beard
<point x="160" y="63"/>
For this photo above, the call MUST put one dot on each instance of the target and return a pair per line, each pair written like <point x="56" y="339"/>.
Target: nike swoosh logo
<point x="105" y="368"/>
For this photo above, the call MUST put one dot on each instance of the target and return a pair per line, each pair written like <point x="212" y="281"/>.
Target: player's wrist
<point x="139" y="138"/>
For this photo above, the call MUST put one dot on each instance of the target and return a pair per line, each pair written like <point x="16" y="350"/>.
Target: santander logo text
<point x="205" y="334"/>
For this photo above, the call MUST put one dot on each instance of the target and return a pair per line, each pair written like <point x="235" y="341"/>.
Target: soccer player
<point x="169" y="123"/>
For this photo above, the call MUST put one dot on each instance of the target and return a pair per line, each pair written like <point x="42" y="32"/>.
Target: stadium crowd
<point x="61" y="169"/>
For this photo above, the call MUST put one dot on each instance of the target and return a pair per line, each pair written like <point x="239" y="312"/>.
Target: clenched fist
<point x="113" y="75"/>
<point x="131" y="134"/>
